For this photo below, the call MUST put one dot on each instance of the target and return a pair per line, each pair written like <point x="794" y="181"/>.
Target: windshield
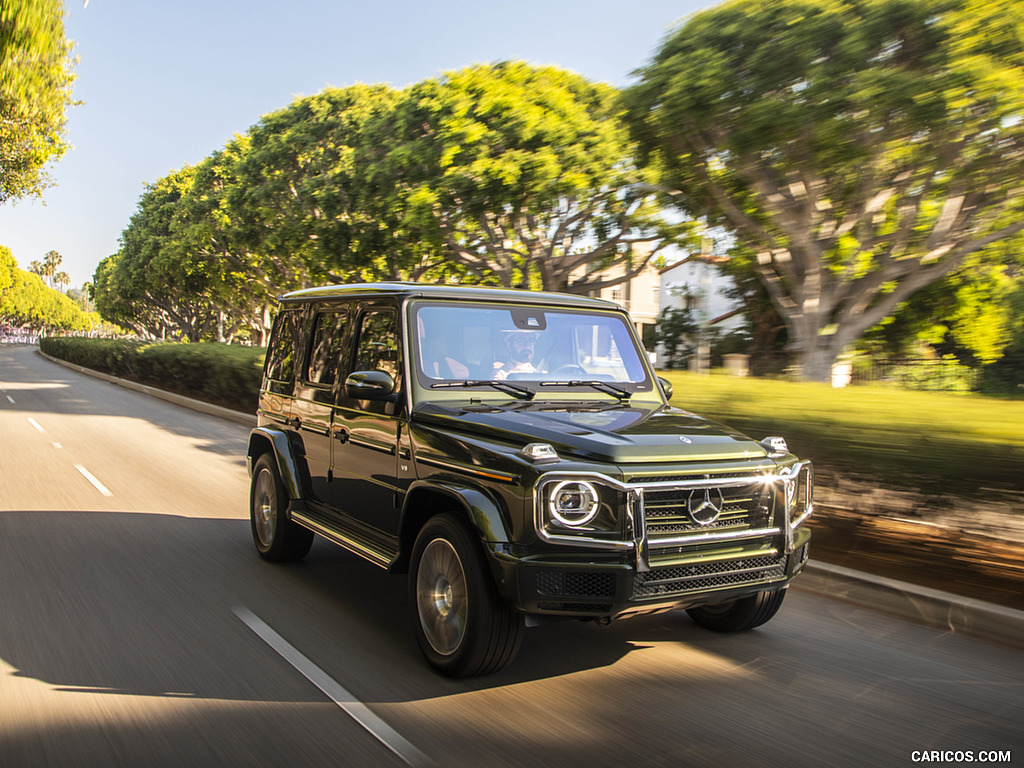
<point x="544" y="350"/>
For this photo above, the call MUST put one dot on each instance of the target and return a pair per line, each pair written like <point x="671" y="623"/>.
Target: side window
<point x="329" y="340"/>
<point x="281" y="350"/>
<point x="378" y="343"/>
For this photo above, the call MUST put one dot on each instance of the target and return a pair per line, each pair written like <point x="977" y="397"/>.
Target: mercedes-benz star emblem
<point x="705" y="505"/>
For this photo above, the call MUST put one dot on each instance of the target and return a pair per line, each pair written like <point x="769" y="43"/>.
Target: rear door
<point x="312" y="411"/>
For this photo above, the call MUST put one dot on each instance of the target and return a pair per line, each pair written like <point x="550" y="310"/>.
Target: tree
<point x="676" y="332"/>
<point x="522" y="173"/>
<point x="302" y="202"/>
<point x="35" y="90"/>
<point x="8" y="267"/>
<point x="47" y="269"/>
<point x="858" y="150"/>
<point x="26" y="302"/>
<point x="152" y="284"/>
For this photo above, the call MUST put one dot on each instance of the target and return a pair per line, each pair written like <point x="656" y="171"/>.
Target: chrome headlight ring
<point x="573" y="503"/>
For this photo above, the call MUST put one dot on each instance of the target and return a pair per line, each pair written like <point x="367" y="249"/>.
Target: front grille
<point x="668" y="511"/>
<point x="682" y="579"/>
<point x="575" y="583"/>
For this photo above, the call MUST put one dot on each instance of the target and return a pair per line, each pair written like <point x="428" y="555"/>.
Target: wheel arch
<point x="425" y="499"/>
<point x="263" y="440"/>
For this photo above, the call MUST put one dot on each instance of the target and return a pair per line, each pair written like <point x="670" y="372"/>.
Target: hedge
<point x="224" y="374"/>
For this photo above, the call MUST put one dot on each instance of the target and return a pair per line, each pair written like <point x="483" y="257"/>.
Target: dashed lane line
<point x="354" y="708"/>
<point x="35" y="424"/>
<point x="92" y="479"/>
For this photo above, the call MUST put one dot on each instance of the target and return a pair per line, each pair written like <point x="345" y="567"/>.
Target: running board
<point x="357" y="545"/>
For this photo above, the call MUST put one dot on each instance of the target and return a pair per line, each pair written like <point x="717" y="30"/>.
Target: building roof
<point x="707" y="258"/>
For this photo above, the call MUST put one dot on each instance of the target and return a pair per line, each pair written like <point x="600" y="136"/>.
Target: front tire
<point x="739" y="615"/>
<point x="277" y="538"/>
<point x="461" y="624"/>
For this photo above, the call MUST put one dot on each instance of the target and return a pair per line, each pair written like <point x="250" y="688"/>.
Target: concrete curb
<point x="185" y="402"/>
<point x="931" y="607"/>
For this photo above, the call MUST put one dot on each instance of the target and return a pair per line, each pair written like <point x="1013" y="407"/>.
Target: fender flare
<point x="482" y="510"/>
<point x="276" y="442"/>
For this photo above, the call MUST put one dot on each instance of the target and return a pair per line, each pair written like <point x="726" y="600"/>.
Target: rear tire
<point x="461" y="624"/>
<point x="277" y="538"/>
<point x="739" y="615"/>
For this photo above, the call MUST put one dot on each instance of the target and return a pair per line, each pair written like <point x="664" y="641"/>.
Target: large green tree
<point x="859" y="150"/>
<point x="301" y="201"/>
<point x="525" y="176"/>
<point x="35" y="90"/>
<point x="152" y="285"/>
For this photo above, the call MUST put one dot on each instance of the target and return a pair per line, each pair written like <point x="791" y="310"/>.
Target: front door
<point x="366" y="431"/>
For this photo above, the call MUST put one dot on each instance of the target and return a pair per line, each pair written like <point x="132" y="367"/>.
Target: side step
<point x="356" y="542"/>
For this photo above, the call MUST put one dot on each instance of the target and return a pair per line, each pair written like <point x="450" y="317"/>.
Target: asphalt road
<point x="138" y="628"/>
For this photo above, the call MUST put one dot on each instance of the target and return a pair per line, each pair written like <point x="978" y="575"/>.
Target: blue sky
<point x="164" y="84"/>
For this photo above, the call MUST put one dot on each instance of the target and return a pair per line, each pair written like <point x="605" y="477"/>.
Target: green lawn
<point x="959" y="443"/>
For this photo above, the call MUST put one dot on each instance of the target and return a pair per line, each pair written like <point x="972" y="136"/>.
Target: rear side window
<point x="282" y="348"/>
<point x="329" y="342"/>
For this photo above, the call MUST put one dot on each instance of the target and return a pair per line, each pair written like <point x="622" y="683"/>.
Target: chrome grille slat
<point x="746" y="504"/>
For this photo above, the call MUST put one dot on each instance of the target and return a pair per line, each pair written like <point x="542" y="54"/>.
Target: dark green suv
<point x="515" y="454"/>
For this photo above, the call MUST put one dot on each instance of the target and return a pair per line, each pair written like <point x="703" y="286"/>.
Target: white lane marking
<point x="35" y="424"/>
<point x="10" y="399"/>
<point x="354" y="708"/>
<point x="57" y="445"/>
<point x="92" y="479"/>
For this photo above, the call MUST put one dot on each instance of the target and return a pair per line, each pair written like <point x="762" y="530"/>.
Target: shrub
<point x="224" y="374"/>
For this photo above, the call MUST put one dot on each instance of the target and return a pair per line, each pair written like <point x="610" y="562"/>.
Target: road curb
<point x="931" y="607"/>
<point x="185" y="402"/>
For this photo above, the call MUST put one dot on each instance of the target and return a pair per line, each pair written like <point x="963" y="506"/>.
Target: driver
<point x="518" y="354"/>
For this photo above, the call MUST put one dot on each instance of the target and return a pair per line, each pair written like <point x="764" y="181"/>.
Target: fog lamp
<point x="573" y="503"/>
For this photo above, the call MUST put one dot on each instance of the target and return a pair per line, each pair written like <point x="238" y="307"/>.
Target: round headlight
<point x="573" y="503"/>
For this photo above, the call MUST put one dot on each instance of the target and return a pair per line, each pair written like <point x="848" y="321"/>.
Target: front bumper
<point x="606" y="586"/>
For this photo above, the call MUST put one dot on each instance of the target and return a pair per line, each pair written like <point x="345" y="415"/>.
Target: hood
<point x="602" y="432"/>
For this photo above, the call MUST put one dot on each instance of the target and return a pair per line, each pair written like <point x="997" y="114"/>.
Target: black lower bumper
<point x="609" y="587"/>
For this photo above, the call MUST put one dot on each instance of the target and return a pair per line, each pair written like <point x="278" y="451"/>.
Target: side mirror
<point x="370" y="385"/>
<point x="666" y="387"/>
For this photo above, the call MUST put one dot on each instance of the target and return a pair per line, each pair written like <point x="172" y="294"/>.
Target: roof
<point x="451" y="292"/>
<point x="705" y="258"/>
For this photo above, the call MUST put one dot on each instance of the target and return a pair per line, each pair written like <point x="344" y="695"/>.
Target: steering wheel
<point x="570" y="368"/>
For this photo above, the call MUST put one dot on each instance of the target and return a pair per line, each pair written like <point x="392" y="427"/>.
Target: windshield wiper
<point x="601" y="386"/>
<point x="522" y="393"/>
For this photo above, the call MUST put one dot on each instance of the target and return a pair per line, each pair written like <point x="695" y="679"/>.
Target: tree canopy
<point x="527" y="172"/>
<point x="858" y="150"/>
<point x="25" y="301"/>
<point x="506" y="174"/>
<point x="35" y="90"/>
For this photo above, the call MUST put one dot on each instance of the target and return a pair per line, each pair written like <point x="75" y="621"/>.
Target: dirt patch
<point x="970" y="547"/>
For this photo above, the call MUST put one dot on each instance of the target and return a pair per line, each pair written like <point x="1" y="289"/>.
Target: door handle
<point x="341" y="434"/>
